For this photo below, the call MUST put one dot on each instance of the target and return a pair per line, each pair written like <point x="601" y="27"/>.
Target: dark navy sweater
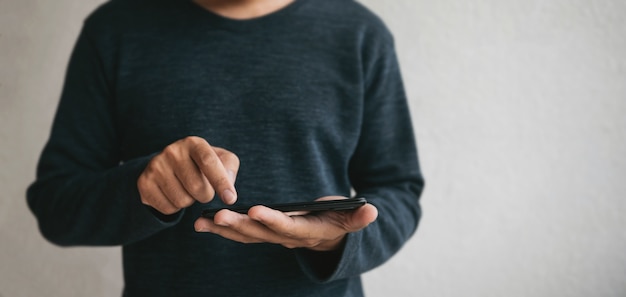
<point x="311" y="100"/>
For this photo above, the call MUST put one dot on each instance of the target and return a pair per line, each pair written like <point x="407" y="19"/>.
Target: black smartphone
<point x="311" y="206"/>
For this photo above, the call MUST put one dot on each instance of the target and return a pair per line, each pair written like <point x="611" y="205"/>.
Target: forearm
<point x="384" y="169"/>
<point x="398" y="216"/>
<point x="92" y="208"/>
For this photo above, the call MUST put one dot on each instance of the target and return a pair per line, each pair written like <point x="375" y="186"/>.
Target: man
<point x="168" y="103"/>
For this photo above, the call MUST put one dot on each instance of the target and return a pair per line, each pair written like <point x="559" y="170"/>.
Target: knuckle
<point x="290" y="245"/>
<point x="204" y="197"/>
<point x="195" y="142"/>
<point x="141" y="183"/>
<point x="229" y="157"/>
<point x="150" y="169"/>
<point x="180" y="202"/>
<point x="170" y="150"/>
<point x="192" y="139"/>
<point x="197" y="189"/>
<point x="145" y="200"/>
<point x="210" y="194"/>
<point x="311" y="242"/>
<point x="207" y="160"/>
<point x="144" y="190"/>
<point x="169" y="210"/>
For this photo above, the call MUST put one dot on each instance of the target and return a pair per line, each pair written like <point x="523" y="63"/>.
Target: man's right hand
<point x="186" y="171"/>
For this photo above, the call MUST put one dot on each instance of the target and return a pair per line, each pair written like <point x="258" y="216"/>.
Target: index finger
<point x="230" y="162"/>
<point x="208" y="161"/>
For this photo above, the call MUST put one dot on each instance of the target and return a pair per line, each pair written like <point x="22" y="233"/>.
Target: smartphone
<point x="311" y="206"/>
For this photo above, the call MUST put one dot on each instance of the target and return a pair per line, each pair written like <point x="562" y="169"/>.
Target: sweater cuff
<point x="323" y="267"/>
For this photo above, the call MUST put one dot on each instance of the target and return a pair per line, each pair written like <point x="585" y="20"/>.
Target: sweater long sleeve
<point x="311" y="100"/>
<point x="84" y="193"/>
<point x="384" y="168"/>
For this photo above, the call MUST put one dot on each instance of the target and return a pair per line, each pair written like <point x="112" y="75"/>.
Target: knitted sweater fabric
<point x="310" y="98"/>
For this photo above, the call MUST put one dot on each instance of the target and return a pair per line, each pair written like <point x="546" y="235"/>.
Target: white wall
<point x="520" y="113"/>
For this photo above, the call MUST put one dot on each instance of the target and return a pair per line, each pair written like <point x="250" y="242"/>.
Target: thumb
<point x="362" y="217"/>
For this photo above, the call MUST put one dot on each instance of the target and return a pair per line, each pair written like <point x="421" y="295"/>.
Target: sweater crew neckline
<point x="243" y="24"/>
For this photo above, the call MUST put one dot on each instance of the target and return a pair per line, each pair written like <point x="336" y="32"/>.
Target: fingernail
<point x="229" y="197"/>
<point x="222" y="223"/>
<point x="202" y="229"/>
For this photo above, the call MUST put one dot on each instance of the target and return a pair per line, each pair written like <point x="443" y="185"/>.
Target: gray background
<point x="520" y="112"/>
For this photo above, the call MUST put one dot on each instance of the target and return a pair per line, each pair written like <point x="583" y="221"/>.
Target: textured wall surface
<point x="520" y="113"/>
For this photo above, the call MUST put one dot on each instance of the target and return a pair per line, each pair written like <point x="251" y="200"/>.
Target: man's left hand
<point x="320" y="231"/>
